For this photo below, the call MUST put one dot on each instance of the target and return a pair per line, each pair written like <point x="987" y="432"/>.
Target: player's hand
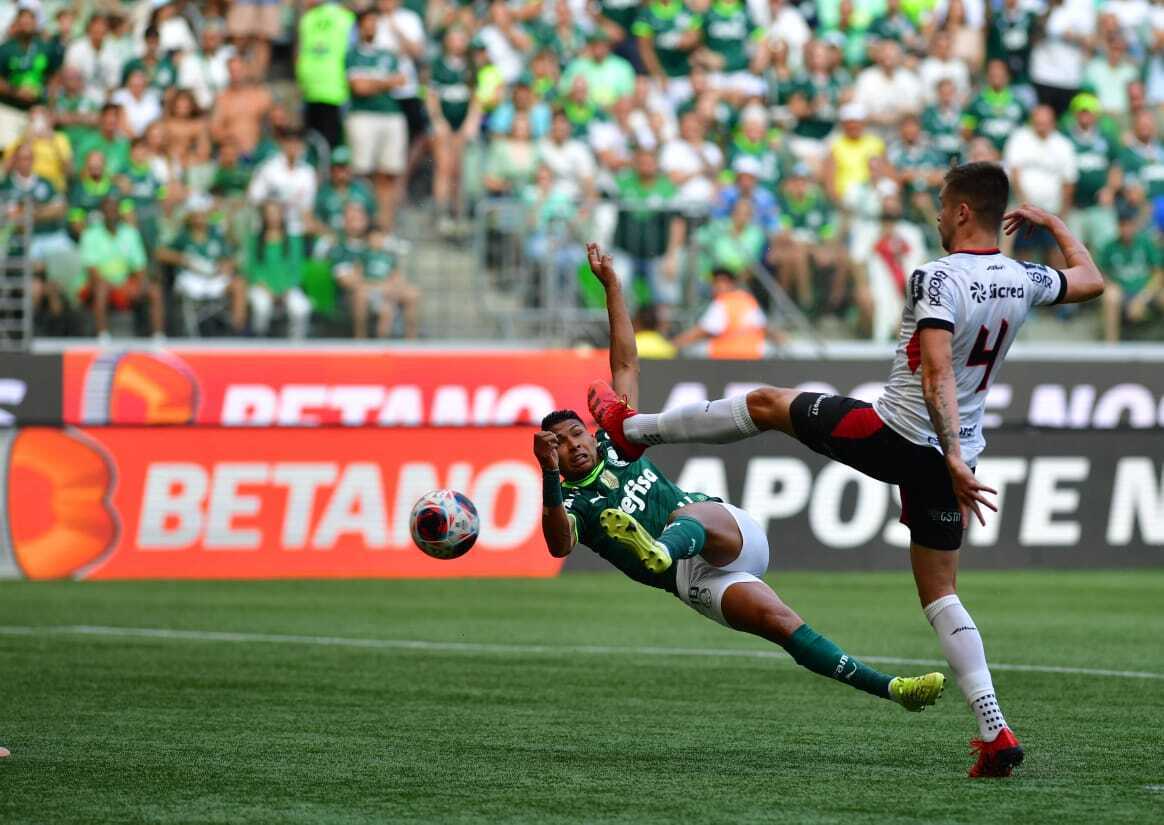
<point x="601" y="264"/>
<point x="1027" y="217"/>
<point x="546" y="449"/>
<point x="970" y="492"/>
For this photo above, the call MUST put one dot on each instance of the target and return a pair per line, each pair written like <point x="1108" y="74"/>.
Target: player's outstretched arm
<point x="941" y="397"/>
<point x="1084" y="280"/>
<point x="624" y="355"/>
<point x="556" y="528"/>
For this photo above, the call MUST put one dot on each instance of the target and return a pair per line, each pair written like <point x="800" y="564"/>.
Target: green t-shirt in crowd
<point x="995" y="115"/>
<point x="369" y="61"/>
<point x="276" y="265"/>
<point x="762" y="151"/>
<point x="115" y="255"/>
<point x="26" y="67"/>
<point x="40" y="191"/>
<point x="815" y="87"/>
<point x="324" y="34"/>
<point x="812" y="213"/>
<point x="665" y="24"/>
<point x="621" y="12"/>
<point x="1143" y="163"/>
<point x="161" y="74"/>
<point x="639" y="489"/>
<point x="330" y="202"/>
<point x="915" y="157"/>
<point x="1131" y="266"/>
<point x="79" y="104"/>
<point x="644" y="215"/>
<point x="727" y="29"/>
<point x="1094" y="156"/>
<point x="1009" y="38"/>
<point x="115" y="150"/>
<point x="944" y="129"/>
<point x="85" y="196"/>
<point x="204" y="255"/>
<point x="451" y="78"/>
<point x="895" y="27"/>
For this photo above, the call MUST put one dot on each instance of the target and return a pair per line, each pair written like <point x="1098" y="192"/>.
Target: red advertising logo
<point x="216" y="503"/>
<point x="282" y="388"/>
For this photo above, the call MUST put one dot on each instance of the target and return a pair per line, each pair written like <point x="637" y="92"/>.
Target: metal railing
<point x="16" y="273"/>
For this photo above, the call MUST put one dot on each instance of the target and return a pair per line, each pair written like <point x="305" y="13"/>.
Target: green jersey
<point x="145" y="189"/>
<point x="812" y="214"/>
<point x="762" y="151"/>
<point x="1143" y="163"/>
<point x="1133" y="265"/>
<point x="115" y="255"/>
<point x="26" y="67"/>
<point x="644" y="217"/>
<point x="622" y="12"/>
<point x="277" y="265"/>
<point x="366" y="60"/>
<point x="203" y="254"/>
<point x="115" y="150"/>
<point x="1094" y="156"/>
<point x="727" y="28"/>
<point x="813" y="87"/>
<point x="451" y="78"/>
<point x="85" y="196"/>
<point x="161" y="73"/>
<point x="80" y="104"/>
<point x="639" y="489"/>
<point x="995" y="115"/>
<point x="915" y="157"/>
<point x="665" y="23"/>
<point x="330" y="203"/>
<point x="379" y="263"/>
<point x="17" y="190"/>
<point x="895" y="27"/>
<point x="1009" y="39"/>
<point x="944" y="128"/>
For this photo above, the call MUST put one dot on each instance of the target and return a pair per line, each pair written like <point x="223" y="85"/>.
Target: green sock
<point x="820" y="655"/>
<point x="684" y="537"/>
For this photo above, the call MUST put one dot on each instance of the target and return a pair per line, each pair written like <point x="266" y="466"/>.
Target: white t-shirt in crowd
<point x="1043" y="165"/>
<point x="882" y="94"/>
<point x="139" y="113"/>
<point x="411" y="27"/>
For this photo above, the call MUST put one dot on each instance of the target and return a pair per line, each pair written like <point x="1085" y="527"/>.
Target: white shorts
<point x="379" y="142"/>
<point x="201" y="287"/>
<point x="701" y="586"/>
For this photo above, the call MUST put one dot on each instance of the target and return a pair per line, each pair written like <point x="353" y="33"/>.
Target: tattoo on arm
<point x="942" y="404"/>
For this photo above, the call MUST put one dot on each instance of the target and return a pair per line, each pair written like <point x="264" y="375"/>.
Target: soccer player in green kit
<point x="706" y="552"/>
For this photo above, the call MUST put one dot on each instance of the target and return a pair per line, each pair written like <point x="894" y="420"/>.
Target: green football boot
<point x="916" y="693"/>
<point x="630" y="534"/>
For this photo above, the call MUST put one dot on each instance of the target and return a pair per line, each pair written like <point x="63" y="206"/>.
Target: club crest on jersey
<point x="608" y="479"/>
<point x="613" y="458"/>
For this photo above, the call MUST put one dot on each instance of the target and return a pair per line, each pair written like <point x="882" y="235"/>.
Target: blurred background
<point x="431" y="170"/>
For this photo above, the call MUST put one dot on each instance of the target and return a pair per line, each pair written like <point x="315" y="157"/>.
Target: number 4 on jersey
<point x="980" y="356"/>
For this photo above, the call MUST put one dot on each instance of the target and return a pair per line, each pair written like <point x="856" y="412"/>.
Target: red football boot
<point x="610" y="410"/>
<point x="997" y="758"/>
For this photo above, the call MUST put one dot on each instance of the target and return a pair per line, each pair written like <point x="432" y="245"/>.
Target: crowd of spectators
<point x="246" y="160"/>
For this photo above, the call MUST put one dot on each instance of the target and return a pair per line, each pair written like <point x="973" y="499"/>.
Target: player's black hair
<point x="984" y="187"/>
<point x="723" y="272"/>
<point x="558" y="416"/>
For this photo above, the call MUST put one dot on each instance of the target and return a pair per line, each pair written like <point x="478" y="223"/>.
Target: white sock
<point x="705" y="422"/>
<point x="962" y="646"/>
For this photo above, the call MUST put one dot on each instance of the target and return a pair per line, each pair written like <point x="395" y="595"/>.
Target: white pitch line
<point x="482" y="647"/>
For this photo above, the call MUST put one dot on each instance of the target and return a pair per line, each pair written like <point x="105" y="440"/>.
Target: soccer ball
<point x="444" y="524"/>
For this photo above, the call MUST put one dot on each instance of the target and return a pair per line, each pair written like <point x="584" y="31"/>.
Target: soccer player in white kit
<point x="962" y="313"/>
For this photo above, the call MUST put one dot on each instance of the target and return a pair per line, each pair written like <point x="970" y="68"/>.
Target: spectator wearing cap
<point x="1092" y="215"/>
<point x="1134" y="269"/>
<point x="321" y="66"/>
<point x="730" y="47"/>
<point x="340" y="189"/>
<point x="273" y="267"/>
<point x="205" y="267"/>
<point x="941" y="122"/>
<point x="376" y="127"/>
<point x="96" y="57"/>
<point x="888" y="90"/>
<point x="1042" y="167"/>
<point x="808" y="241"/>
<point x="455" y="114"/>
<point x="692" y="162"/>
<point x="746" y="186"/>
<point x="288" y="179"/>
<point x="649" y="234"/>
<point x="667" y="32"/>
<point x="847" y="163"/>
<point x="240" y="108"/>
<point x="733" y="326"/>
<point x="114" y="262"/>
<point x="996" y="112"/>
<point x="1108" y="75"/>
<point x="608" y="76"/>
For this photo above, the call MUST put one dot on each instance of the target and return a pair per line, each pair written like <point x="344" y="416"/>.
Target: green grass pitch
<point x="518" y="721"/>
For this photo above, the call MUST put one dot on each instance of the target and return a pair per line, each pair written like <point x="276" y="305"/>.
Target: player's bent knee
<point x="769" y="407"/>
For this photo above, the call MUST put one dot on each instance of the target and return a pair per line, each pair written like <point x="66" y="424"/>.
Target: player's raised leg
<point x="935" y="572"/>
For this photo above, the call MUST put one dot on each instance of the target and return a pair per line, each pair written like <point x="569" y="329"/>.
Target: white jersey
<point x="982" y="297"/>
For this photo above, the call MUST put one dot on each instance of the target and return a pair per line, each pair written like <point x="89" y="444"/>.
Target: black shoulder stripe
<point x="1062" y="288"/>
<point x="935" y="323"/>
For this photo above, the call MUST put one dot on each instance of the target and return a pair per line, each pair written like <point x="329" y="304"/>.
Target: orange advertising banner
<point x="312" y="388"/>
<point x="174" y="502"/>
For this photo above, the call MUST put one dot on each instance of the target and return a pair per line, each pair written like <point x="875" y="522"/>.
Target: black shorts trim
<point x="935" y="323"/>
<point x="851" y="432"/>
